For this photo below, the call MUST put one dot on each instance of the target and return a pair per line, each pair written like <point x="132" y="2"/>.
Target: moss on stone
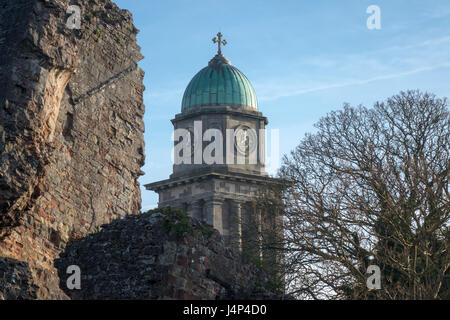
<point x="174" y="220"/>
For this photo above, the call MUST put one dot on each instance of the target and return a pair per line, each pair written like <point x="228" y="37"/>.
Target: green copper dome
<point x="219" y="84"/>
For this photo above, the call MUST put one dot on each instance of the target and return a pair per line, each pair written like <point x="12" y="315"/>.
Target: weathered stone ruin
<point x="162" y="255"/>
<point x="71" y="129"/>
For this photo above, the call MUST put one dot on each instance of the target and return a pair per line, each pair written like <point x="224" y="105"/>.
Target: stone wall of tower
<point x="226" y="202"/>
<point x="71" y="129"/>
<point x="222" y="118"/>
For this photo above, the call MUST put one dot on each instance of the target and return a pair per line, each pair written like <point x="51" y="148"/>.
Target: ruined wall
<point x="15" y="280"/>
<point x="71" y="129"/>
<point x="162" y="256"/>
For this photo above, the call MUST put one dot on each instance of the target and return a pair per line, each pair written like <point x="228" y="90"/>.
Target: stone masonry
<point x="71" y="129"/>
<point x="162" y="255"/>
<point x="15" y="280"/>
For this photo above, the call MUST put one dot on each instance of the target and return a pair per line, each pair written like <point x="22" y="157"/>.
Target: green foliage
<point x="256" y="259"/>
<point x="174" y="220"/>
<point x="206" y="230"/>
<point x="97" y="32"/>
<point x="274" y="286"/>
<point x="179" y="221"/>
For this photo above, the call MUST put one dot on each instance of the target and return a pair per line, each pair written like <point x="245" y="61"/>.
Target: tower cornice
<point x="231" y="176"/>
<point x="210" y="109"/>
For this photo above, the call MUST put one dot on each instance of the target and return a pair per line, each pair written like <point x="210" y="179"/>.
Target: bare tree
<point x="370" y="187"/>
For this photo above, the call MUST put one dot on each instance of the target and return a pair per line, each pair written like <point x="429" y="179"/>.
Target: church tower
<point x="219" y="170"/>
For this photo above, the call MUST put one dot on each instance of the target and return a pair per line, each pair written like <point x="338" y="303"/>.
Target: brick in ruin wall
<point x="71" y="128"/>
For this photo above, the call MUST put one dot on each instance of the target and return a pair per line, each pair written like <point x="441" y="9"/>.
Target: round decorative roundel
<point x="245" y="139"/>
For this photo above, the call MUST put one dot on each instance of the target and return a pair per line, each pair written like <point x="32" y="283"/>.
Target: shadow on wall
<point x="15" y="280"/>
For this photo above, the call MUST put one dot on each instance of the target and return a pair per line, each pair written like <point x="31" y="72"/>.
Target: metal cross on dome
<point x="219" y="40"/>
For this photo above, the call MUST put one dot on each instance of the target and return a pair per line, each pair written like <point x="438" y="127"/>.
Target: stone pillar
<point x="260" y="236"/>
<point x="262" y="147"/>
<point x="236" y="224"/>
<point x="250" y="231"/>
<point x="213" y="213"/>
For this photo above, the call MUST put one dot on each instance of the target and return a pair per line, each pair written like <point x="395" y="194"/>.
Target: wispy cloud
<point x="437" y="13"/>
<point x="414" y="45"/>
<point x="358" y="68"/>
<point x="350" y="83"/>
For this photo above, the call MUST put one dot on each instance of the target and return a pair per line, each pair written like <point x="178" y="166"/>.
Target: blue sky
<point x="304" y="59"/>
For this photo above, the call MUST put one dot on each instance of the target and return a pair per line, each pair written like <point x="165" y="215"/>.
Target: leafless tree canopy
<point x="370" y="187"/>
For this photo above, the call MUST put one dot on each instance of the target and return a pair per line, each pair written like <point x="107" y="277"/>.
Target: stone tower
<point x="219" y="169"/>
